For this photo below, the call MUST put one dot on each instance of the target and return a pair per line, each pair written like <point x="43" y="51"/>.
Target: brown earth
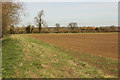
<point x="97" y="44"/>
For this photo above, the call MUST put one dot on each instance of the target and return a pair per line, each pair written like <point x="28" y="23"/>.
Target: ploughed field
<point x="104" y="44"/>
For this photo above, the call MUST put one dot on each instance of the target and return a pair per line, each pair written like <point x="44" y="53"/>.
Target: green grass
<point x="25" y="57"/>
<point x="11" y="52"/>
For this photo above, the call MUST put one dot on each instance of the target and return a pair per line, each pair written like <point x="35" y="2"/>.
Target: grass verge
<point x="11" y="52"/>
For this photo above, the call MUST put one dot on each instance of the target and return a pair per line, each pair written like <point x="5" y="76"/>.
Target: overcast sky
<point x="83" y="13"/>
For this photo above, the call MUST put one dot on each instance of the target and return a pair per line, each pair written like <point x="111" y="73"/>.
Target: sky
<point x="83" y="13"/>
<point x="67" y="0"/>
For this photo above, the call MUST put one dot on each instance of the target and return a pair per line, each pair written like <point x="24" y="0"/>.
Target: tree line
<point x="60" y="29"/>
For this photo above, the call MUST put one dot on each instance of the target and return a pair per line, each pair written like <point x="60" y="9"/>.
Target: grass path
<point x="30" y="58"/>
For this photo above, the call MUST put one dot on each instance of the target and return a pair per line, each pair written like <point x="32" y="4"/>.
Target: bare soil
<point x="96" y="44"/>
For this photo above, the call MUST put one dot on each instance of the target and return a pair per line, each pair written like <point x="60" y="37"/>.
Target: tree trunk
<point x="39" y="27"/>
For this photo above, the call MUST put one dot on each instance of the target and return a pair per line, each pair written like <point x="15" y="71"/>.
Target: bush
<point x="45" y="31"/>
<point x="66" y="31"/>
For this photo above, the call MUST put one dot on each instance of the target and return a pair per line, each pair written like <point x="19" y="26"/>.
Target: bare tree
<point x="40" y="21"/>
<point x="11" y="12"/>
<point x="57" y="26"/>
<point x="72" y="25"/>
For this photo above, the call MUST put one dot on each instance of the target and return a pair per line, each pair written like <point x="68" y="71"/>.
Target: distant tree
<point x="90" y="28"/>
<point x="84" y="27"/>
<point x="112" y="28"/>
<point x="57" y="26"/>
<point x="32" y="29"/>
<point x="12" y="31"/>
<point x="28" y="29"/>
<point x="96" y="28"/>
<point x="40" y="21"/>
<point x="72" y="25"/>
<point x="11" y="12"/>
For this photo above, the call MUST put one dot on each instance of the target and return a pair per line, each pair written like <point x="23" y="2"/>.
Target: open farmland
<point x="59" y="40"/>
<point x="105" y="44"/>
<point x="99" y="49"/>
